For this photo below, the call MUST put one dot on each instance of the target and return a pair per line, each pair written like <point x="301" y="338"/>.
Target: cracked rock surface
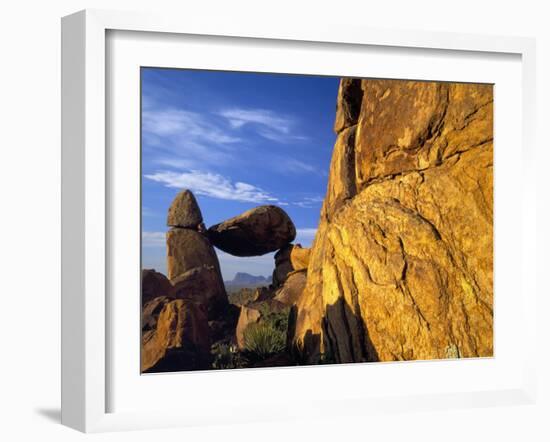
<point x="402" y="264"/>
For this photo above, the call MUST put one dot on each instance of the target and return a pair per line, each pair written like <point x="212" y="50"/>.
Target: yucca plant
<point x="263" y="339"/>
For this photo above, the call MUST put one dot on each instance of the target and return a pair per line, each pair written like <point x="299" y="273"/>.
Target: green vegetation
<point x="268" y="337"/>
<point x="227" y="356"/>
<point x="262" y="340"/>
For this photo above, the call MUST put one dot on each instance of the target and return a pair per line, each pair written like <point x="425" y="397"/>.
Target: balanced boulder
<point x="192" y="264"/>
<point x="256" y="232"/>
<point x="187" y="249"/>
<point x="184" y="211"/>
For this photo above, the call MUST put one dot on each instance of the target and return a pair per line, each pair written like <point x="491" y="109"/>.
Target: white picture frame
<point x="85" y="198"/>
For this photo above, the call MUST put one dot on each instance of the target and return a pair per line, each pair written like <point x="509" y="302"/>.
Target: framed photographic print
<point x="322" y="217"/>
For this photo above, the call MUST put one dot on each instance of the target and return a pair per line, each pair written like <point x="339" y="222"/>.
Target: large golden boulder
<point x="402" y="264"/>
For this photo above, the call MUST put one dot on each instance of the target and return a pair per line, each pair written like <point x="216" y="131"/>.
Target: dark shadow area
<point x="51" y="414"/>
<point x="345" y="338"/>
<point x="182" y="359"/>
<point x="346" y="334"/>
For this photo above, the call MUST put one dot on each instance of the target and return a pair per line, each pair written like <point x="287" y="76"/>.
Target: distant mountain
<point x="242" y="280"/>
<point x="247" y="278"/>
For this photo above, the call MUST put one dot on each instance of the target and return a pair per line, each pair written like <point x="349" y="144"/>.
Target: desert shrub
<point x="227" y="356"/>
<point x="276" y="319"/>
<point x="263" y="339"/>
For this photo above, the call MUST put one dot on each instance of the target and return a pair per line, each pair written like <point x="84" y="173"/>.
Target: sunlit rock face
<point x="402" y="264"/>
<point x="184" y="211"/>
<point x="187" y="249"/>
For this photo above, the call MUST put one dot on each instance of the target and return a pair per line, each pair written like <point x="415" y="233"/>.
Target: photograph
<point x="298" y="220"/>
<point x="233" y="220"/>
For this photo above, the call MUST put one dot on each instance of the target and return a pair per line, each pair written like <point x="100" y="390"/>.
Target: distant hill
<point x="246" y="280"/>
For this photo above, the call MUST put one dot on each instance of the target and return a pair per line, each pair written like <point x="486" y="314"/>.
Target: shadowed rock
<point x="349" y="103"/>
<point x="256" y="232"/>
<point x="283" y="265"/>
<point x="290" y="258"/>
<point x="181" y="340"/>
<point x="262" y="294"/>
<point x="292" y="288"/>
<point x="184" y="211"/>
<point x="150" y="312"/>
<point x="153" y="285"/>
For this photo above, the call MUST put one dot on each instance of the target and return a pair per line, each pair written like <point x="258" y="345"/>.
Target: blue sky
<point x="237" y="140"/>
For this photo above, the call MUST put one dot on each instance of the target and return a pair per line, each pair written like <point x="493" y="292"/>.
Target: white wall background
<point x="30" y="216"/>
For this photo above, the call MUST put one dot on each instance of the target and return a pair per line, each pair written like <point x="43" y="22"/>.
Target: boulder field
<point x="187" y="314"/>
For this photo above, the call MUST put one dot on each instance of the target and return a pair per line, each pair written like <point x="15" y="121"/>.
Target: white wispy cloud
<point x="309" y="202"/>
<point x="268" y="124"/>
<point x="239" y="117"/>
<point x="293" y="165"/>
<point x="213" y="185"/>
<point x="153" y="239"/>
<point x="280" y="137"/>
<point x="170" y="122"/>
<point x="175" y="162"/>
<point x="186" y="139"/>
